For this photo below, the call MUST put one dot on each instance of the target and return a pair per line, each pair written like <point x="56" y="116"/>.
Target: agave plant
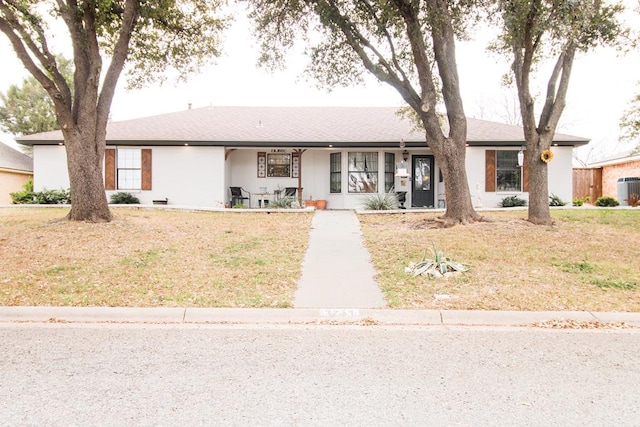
<point x="381" y="202"/>
<point x="437" y="266"/>
<point x="284" y="202"/>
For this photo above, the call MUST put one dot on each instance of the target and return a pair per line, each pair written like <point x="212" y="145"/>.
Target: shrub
<point x="381" y="202"/>
<point x="512" y="201"/>
<point x="606" y="201"/>
<point x="556" y="201"/>
<point x="123" y="198"/>
<point x="44" y="197"/>
<point x="52" y="197"/>
<point x="25" y="196"/>
<point x="579" y="201"/>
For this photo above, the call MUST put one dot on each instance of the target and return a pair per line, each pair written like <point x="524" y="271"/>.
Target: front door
<point x="422" y="187"/>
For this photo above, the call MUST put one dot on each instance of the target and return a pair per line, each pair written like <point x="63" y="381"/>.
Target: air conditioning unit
<point x="627" y="187"/>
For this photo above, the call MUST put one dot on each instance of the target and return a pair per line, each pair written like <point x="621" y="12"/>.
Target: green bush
<point x="607" y="201"/>
<point x="579" y="201"/>
<point x="123" y="198"/>
<point x="512" y="201"/>
<point x="25" y="196"/>
<point x="381" y="202"/>
<point x="556" y="201"/>
<point x="52" y="197"/>
<point x="44" y="197"/>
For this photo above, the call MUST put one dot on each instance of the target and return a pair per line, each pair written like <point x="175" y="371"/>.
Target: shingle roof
<point x="14" y="160"/>
<point x="240" y="126"/>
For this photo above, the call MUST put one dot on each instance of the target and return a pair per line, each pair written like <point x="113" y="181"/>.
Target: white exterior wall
<point x="186" y="175"/>
<point x="200" y="176"/>
<point x="560" y="177"/>
<point x="50" y="167"/>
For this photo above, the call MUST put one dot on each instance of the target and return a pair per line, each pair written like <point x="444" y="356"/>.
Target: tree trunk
<point x="459" y="207"/>
<point x="539" y="212"/>
<point x="85" y="158"/>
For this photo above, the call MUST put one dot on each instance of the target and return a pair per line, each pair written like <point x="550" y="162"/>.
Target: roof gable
<point x="14" y="160"/>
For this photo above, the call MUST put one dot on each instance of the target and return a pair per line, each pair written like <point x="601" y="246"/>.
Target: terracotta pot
<point x="309" y="203"/>
<point x="321" y="204"/>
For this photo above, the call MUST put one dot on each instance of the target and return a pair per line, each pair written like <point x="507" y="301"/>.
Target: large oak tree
<point x="541" y="29"/>
<point x="408" y="44"/>
<point x="150" y="35"/>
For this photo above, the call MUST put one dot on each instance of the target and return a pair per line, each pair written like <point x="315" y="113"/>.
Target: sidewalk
<point x="337" y="270"/>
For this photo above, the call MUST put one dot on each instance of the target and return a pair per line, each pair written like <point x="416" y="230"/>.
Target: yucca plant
<point x="285" y="202"/>
<point x="437" y="266"/>
<point x="381" y="201"/>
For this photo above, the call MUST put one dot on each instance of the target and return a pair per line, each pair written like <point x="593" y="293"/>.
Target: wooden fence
<point x="587" y="182"/>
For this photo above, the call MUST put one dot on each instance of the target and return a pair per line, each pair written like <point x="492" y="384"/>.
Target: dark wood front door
<point x="422" y="187"/>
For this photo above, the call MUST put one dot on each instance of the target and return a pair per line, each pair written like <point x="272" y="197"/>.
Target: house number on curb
<point x="340" y="312"/>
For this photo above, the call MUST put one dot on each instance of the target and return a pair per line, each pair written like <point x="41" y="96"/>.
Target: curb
<point x="308" y="316"/>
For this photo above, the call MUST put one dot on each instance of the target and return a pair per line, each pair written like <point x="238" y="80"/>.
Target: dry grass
<point x="587" y="261"/>
<point x="151" y="258"/>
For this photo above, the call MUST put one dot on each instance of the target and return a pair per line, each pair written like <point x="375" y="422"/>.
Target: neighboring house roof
<point x="616" y="159"/>
<point x="290" y="126"/>
<point x="13" y="160"/>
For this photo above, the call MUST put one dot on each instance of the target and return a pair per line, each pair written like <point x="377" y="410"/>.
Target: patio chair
<point x="238" y="197"/>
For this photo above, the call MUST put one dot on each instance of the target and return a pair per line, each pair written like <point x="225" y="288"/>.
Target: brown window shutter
<point x="146" y="169"/>
<point x="490" y="171"/>
<point x="109" y="169"/>
<point x="525" y="174"/>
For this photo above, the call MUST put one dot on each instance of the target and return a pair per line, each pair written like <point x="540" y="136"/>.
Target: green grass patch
<point x="623" y="285"/>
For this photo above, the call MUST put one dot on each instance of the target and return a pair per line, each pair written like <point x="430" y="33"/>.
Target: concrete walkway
<point x="337" y="270"/>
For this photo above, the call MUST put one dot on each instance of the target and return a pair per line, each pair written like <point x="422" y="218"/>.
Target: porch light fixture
<point x="405" y="155"/>
<point x="521" y="157"/>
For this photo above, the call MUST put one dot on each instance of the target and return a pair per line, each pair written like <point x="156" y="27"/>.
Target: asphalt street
<point x="66" y="374"/>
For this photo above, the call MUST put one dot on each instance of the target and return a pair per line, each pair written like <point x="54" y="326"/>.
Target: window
<point x="389" y="171"/>
<point x="278" y="165"/>
<point x="363" y="172"/>
<point x="335" y="173"/>
<point x="508" y="173"/>
<point x="129" y="171"/>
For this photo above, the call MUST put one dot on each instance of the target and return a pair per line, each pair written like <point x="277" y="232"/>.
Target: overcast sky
<point x="602" y="84"/>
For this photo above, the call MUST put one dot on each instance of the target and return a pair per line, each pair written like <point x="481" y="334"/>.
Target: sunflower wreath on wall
<point x="546" y="156"/>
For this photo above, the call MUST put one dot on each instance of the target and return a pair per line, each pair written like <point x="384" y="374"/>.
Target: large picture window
<point x="508" y="173"/>
<point x="129" y="169"/>
<point x="363" y="172"/>
<point x="278" y="165"/>
<point x="335" y="173"/>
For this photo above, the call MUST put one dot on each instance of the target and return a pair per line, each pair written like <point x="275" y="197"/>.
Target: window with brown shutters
<point x="502" y="172"/>
<point x="127" y="169"/>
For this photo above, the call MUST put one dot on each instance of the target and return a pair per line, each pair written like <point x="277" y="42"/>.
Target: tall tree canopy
<point x="408" y="44"/>
<point x="540" y="29"/>
<point x="150" y="34"/>
<point x="27" y="108"/>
